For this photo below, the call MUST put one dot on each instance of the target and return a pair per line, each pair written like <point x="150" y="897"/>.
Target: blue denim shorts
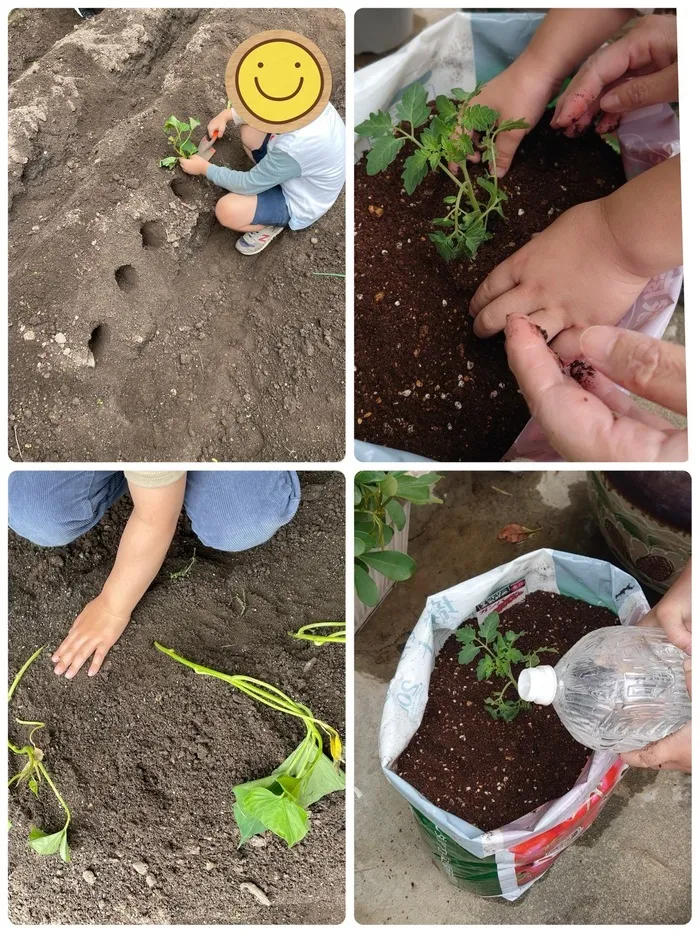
<point x="271" y="209"/>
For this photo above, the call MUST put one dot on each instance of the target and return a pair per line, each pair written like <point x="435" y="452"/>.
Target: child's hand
<point x="570" y="275"/>
<point x="637" y="70"/>
<point x="218" y="124"/>
<point x="521" y="91"/>
<point x="94" y="632"/>
<point x="195" y="165"/>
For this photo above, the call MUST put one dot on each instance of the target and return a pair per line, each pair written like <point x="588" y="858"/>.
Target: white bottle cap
<point x="538" y="684"/>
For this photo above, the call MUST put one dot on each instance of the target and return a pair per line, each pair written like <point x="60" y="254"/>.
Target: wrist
<point x="616" y="240"/>
<point x="113" y="603"/>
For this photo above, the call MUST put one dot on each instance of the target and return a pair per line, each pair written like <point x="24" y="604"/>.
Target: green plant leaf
<point x="357" y="494"/>
<point x="458" y="148"/>
<point x="507" y="125"/>
<point x="489" y="627"/>
<point x="290" y="785"/>
<point x="279" y="814"/>
<point x="377" y="124"/>
<point x="64" y="848"/>
<point x="415" y="168"/>
<point x="383" y="152"/>
<point x="484" y="668"/>
<point x="468" y="653"/>
<point x="247" y="826"/>
<point x="370" y="477"/>
<point x="478" y="117"/>
<point x="389" y="486"/>
<point x="360" y="545"/>
<point x="33" y="785"/>
<point x="466" y="634"/>
<point x="365" y="587"/>
<point x="194" y="123"/>
<point x="445" y="108"/>
<point x="612" y="140"/>
<point x="48" y="843"/>
<point x="188" y="148"/>
<point x="392" y="564"/>
<point x="413" y="107"/>
<point x="169" y="162"/>
<point x="323" y="779"/>
<point x="462" y="95"/>
<point x="395" y="511"/>
<point x="443" y="244"/>
<point x="172" y="123"/>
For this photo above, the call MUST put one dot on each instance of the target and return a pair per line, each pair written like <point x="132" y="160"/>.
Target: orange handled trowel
<point x="206" y="147"/>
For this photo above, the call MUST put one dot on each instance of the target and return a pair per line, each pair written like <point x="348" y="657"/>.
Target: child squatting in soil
<point x="229" y="511"/>
<point x="593" y="262"/>
<point x="296" y="177"/>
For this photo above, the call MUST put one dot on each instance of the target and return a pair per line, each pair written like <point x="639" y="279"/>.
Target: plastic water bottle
<point x="617" y="689"/>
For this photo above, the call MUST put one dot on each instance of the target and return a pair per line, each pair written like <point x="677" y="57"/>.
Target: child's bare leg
<point x="236" y="211"/>
<point x="251" y="139"/>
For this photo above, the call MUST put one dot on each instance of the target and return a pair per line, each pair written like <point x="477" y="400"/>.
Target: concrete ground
<point x="633" y="864"/>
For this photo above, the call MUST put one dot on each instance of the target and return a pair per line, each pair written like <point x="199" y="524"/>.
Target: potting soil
<point x="490" y="772"/>
<point x="137" y="331"/>
<point x="424" y="382"/>
<point x="146" y="752"/>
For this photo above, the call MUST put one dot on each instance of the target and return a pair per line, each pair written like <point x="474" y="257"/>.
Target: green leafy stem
<point x="322" y="633"/>
<point x="446" y="140"/>
<point x="378" y="511"/>
<point x="498" y="654"/>
<point x="279" y="801"/>
<point x="179" y="135"/>
<point x="34" y="772"/>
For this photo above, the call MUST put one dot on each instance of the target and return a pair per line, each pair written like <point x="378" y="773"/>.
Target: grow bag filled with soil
<point x="425" y="386"/>
<point x="498" y="801"/>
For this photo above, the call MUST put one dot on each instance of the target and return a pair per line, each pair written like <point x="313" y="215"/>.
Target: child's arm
<point x="563" y="40"/>
<point x="276" y="167"/>
<point x="141" y="552"/>
<point x="220" y="121"/>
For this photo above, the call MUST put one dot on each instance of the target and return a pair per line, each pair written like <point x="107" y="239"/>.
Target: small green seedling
<point x="498" y="653"/>
<point x="180" y="138"/>
<point x="33" y="772"/>
<point x="279" y="802"/>
<point x="335" y="633"/>
<point x="179" y="574"/>
<point x="446" y="140"/>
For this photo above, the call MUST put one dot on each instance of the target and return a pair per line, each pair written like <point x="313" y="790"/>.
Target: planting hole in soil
<point x="127" y="278"/>
<point x="424" y="382"/>
<point x="98" y="342"/>
<point x="146" y="754"/>
<point x="487" y="771"/>
<point x="152" y="235"/>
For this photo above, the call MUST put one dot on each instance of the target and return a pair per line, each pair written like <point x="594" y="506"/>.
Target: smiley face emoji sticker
<point x="278" y="81"/>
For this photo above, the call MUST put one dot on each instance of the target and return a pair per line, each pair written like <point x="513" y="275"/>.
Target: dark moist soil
<point x="490" y="772"/>
<point x="424" y="382"/>
<point x="137" y="331"/>
<point x="146" y="752"/>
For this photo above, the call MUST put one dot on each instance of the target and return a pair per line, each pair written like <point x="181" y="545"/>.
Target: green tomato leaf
<point x="415" y="168"/>
<point x="444" y="246"/>
<point x="279" y="814"/>
<point x="484" y="668"/>
<point x="365" y="587"/>
<point x="395" y="511"/>
<point x="478" y="117"/>
<point x="445" y="108"/>
<point x="508" y="125"/>
<point x="468" y="653"/>
<point x="392" y="564"/>
<point x="465" y="635"/>
<point x="378" y="124"/>
<point x="462" y="95"/>
<point x="413" y="107"/>
<point x="383" y="152"/>
<point x="489" y="627"/>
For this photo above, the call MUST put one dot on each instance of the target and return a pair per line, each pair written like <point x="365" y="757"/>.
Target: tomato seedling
<point x="279" y="801"/>
<point x="180" y="138"/>
<point x="498" y="653"/>
<point x="322" y="633"/>
<point x="33" y="772"/>
<point x="445" y="140"/>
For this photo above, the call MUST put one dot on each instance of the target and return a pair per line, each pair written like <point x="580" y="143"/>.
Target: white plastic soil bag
<point x="460" y="51"/>
<point x="506" y="861"/>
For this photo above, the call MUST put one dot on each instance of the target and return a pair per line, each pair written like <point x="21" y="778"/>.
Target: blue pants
<point x="229" y="510"/>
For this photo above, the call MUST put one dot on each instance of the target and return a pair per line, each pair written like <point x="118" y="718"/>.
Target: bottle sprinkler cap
<point x="538" y="684"/>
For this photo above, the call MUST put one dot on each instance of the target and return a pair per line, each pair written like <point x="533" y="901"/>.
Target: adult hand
<point x="635" y="71"/>
<point x="218" y="124"/>
<point x="195" y="165"/>
<point x="672" y="613"/>
<point x="674" y="753"/>
<point x="572" y="274"/>
<point x="94" y="632"/>
<point x="523" y="90"/>
<point x="592" y="419"/>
